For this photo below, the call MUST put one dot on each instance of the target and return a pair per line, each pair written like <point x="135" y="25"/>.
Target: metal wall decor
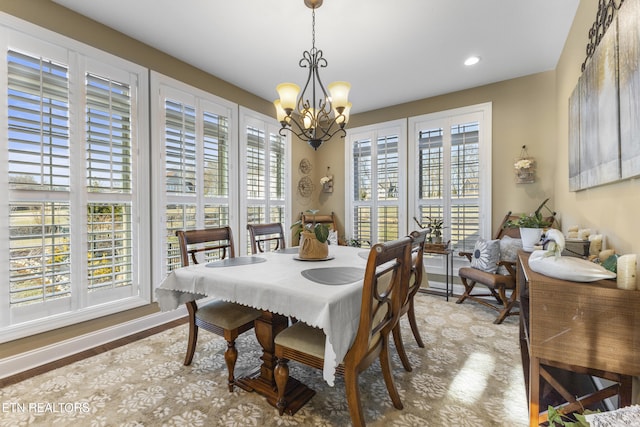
<point x="305" y="166"/>
<point x="606" y="11"/>
<point x="305" y="186"/>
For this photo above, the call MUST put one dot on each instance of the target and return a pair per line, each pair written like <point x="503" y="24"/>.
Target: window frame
<point x="482" y="113"/>
<point x="80" y="58"/>
<point x="162" y="85"/>
<point x="271" y="127"/>
<point x="374" y="132"/>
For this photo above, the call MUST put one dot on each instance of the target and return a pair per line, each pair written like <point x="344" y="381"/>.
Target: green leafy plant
<point x="558" y="418"/>
<point x="356" y="243"/>
<point x="533" y="220"/>
<point x="435" y="226"/>
<point x="321" y="231"/>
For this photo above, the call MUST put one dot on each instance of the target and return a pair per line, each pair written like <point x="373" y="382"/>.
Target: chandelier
<point x="320" y="117"/>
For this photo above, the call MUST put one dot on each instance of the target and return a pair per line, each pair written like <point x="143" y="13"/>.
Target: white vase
<point x="530" y="237"/>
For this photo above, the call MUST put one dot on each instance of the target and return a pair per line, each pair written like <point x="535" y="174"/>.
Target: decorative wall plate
<point x="305" y="166"/>
<point x="305" y="186"/>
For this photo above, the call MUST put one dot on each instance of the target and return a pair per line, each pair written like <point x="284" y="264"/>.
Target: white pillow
<point x="509" y="248"/>
<point x="486" y="254"/>
<point x="333" y="237"/>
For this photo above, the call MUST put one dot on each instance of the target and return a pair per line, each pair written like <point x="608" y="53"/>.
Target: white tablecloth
<point x="278" y="286"/>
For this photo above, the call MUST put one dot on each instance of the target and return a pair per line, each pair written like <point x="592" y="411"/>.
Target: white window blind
<point x="264" y="174"/>
<point x="38" y="120"/>
<point x="110" y="246"/>
<point x="180" y="147"/>
<point x="453" y="174"/>
<point x="72" y="187"/>
<point x="108" y="127"/>
<point x="376" y="198"/>
<point x="194" y="182"/>
<point x="39" y="249"/>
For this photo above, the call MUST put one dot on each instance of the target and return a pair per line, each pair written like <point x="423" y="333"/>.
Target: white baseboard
<point x="32" y="359"/>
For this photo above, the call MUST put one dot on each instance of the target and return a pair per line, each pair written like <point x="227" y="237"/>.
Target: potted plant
<point x="557" y="417"/>
<point x="531" y="226"/>
<point x="313" y="238"/>
<point x="434" y="237"/>
<point x="436" y="226"/>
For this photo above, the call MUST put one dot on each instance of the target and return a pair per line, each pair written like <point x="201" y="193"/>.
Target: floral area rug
<point x="468" y="374"/>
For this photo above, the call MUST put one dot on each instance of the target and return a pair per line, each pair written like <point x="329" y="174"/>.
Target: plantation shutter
<point x="264" y="155"/>
<point x="265" y="175"/>
<point x="71" y="186"/>
<point x="452" y="166"/>
<point x="378" y="212"/>
<point x="38" y="162"/>
<point x="38" y="98"/>
<point x="215" y="166"/>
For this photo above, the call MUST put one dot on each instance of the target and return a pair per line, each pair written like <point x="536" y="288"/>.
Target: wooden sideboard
<point x="588" y="328"/>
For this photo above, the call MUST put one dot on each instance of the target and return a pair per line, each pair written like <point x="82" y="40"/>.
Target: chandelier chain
<point x="313" y="28"/>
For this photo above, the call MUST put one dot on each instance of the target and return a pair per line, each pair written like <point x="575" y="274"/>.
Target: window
<point x="76" y="162"/>
<point x="376" y="202"/>
<point x="451" y="154"/>
<point x="265" y="174"/>
<point x="195" y="142"/>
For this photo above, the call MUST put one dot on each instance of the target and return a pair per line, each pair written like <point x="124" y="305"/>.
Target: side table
<point x="444" y="250"/>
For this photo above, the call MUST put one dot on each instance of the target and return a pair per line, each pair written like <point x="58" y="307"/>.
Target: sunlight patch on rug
<point x="471" y="381"/>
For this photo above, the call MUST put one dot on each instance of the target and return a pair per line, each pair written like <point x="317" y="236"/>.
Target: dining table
<point x="323" y="293"/>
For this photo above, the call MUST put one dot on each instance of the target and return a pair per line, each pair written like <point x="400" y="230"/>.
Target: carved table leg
<point x="263" y="380"/>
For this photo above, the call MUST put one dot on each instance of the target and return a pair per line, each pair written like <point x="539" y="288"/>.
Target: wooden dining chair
<point x="384" y="290"/>
<point x="414" y="282"/>
<point x="266" y="237"/>
<point x="327" y="219"/>
<point x="223" y="318"/>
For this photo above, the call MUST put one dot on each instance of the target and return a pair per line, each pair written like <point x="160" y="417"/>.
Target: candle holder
<point x="626" y="272"/>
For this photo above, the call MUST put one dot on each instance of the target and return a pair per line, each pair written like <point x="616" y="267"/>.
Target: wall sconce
<point x="327" y="182"/>
<point x="525" y="168"/>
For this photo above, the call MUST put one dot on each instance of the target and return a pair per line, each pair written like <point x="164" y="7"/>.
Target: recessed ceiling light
<point x="472" y="60"/>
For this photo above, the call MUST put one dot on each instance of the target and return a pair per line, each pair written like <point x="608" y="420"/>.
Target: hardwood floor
<point x="90" y="352"/>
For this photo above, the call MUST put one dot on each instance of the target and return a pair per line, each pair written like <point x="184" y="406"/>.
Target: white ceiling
<point x="391" y="51"/>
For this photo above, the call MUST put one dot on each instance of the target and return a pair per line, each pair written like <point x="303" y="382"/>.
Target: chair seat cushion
<point x="488" y="279"/>
<point x="303" y="338"/>
<point x="227" y="315"/>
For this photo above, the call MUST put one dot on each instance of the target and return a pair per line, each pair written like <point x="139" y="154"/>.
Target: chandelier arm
<point x="305" y="134"/>
<point x="301" y="132"/>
